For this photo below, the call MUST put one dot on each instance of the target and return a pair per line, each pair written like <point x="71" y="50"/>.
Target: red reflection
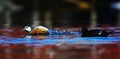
<point x="60" y="51"/>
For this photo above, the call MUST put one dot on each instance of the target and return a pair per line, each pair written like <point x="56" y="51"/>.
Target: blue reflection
<point x="52" y="41"/>
<point x="55" y="32"/>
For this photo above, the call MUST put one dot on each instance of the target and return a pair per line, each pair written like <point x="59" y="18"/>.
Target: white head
<point x="27" y="28"/>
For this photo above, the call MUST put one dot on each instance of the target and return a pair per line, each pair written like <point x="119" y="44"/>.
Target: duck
<point x="94" y="32"/>
<point x="38" y="30"/>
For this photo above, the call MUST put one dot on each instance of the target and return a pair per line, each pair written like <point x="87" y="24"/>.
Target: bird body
<point x="39" y="30"/>
<point x="94" y="33"/>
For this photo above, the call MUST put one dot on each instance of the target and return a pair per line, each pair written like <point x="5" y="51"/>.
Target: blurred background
<point x="59" y="13"/>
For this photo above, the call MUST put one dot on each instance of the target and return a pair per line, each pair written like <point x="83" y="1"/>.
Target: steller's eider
<point x="39" y="30"/>
<point x="94" y="33"/>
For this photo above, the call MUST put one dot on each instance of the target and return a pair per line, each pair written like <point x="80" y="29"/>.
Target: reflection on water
<point x="16" y="44"/>
<point x="59" y="47"/>
<point x="56" y="39"/>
